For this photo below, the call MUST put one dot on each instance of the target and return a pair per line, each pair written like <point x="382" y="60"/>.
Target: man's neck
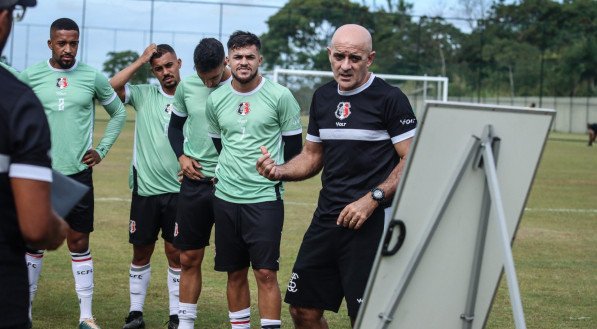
<point x="247" y="87"/>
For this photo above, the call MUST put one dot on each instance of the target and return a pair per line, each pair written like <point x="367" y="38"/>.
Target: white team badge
<point x="243" y="108"/>
<point x="132" y="226"/>
<point x="175" y="229"/>
<point x="342" y="110"/>
<point x="169" y="108"/>
<point x="292" y="284"/>
<point x="61" y="83"/>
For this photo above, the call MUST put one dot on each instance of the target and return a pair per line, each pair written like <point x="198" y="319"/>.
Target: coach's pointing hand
<point x="266" y="167"/>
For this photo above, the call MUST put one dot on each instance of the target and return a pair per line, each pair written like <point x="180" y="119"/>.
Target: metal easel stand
<point x="479" y="152"/>
<point x="496" y="198"/>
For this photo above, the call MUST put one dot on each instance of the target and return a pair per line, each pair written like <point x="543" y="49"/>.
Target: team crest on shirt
<point x="168" y="109"/>
<point x="342" y="110"/>
<point x="61" y="83"/>
<point x="243" y="108"/>
<point x="175" y="229"/>
<point x="132" y="226"/>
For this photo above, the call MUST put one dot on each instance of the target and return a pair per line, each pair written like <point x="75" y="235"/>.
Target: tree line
<point x="531" y="47"/>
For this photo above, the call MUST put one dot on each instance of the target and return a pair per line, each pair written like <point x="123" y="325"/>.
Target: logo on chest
<point x="61" y="83"/>
<point x="243" y="108"/>
<point x="342" y="112"/>
<point x="168" y="109"/>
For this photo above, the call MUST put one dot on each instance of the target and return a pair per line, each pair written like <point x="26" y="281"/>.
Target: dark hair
<point x="241" y="39"/>
<point x="161" y="49"/>
<point x="64" y="24"/>
<point x="208" y="54"/>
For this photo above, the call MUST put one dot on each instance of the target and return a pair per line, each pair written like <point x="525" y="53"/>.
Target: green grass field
<point x="555" y="250"/>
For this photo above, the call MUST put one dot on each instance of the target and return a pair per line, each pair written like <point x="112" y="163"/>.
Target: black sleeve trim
<point x="217" y="143"/>
<point x="175" y="135"/>
<point x="292" y="146"/>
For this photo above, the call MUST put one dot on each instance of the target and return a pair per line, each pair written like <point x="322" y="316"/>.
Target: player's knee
<point x="190" y="259"/>
<point x="266" y="276"/>
<point x="305" y="317"/>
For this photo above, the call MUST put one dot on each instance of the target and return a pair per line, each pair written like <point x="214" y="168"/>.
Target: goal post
<point x="418" y="89"/>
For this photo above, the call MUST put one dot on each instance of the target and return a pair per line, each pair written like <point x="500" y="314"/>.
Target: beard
<point x="245" y="80"/>
<point x="65" y="65"/>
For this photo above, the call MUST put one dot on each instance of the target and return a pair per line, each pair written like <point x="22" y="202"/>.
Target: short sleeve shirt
<point x="245" y="122"/>
<point x="68" y="99"/>
<point x="24" y="149"/>
<point x="153" y="158"/>
<point x="190" y="101"/>
<point x="358" y="130"/>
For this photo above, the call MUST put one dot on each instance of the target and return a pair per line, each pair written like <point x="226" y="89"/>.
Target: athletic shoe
<point x="134" y="321"/>
<point x="173" y="322"/>
<point x="88" y="324"/>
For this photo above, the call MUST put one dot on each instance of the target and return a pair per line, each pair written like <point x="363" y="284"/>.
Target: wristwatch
<point x="378" y="194"/>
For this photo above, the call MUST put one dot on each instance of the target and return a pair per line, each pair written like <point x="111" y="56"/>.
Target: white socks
<point x="82" y="266"/>
<point x="139" y="277"/>
<point x="34" y="260"/>
<point x="240" y="319"/>
<point x="187" y="313"/>
<point x="173" y="289"/>
<point x="270" y="324"/>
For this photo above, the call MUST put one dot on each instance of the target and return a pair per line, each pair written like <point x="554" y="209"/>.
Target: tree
<point x="118" y="60"/>
<point x="301" y="30"/>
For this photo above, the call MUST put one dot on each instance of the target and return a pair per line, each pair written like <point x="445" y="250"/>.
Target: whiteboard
<point x="435" y="293"/>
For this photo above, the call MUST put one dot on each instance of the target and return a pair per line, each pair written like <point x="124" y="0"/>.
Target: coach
<point x="360" y="130"/>
<point x="26" y="214"/>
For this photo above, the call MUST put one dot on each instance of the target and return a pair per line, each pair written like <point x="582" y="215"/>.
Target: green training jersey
<point x="10" y="69"/>
<point x="189" y="101"/>
<point x="154" y="160"/>
<point x="245" y="122"/>
<point x="68" y="100"/>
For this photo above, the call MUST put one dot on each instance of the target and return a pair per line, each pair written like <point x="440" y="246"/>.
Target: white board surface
<point x="436" y="294"/>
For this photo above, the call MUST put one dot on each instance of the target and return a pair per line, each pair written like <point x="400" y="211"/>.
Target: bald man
<point x="360" y="130"/>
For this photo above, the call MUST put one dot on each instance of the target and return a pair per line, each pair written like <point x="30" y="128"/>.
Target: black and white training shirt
<point x="24" y="150"/>
<point x="358" y="129"/>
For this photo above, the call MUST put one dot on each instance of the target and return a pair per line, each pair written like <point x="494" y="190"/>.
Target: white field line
<point x="569" y="210"/>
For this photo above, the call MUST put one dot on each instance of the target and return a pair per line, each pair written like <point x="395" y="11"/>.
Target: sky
<point x="117" y="25"/>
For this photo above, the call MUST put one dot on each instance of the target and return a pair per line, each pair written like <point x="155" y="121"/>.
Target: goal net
<point x="418" y="89"/>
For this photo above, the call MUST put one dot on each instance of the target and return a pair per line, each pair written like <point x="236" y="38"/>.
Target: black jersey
<point x="358" y="129"/>
<point x="24" y="149"/>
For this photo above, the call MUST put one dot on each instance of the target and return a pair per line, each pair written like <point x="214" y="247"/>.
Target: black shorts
<point x="80" y="218"/>
<point x="195" y="215"/>
<point x="149" y="214"/>
<point x="248" y="234"/>
<point x="334" y="262"/>
<point x="14" y="288"/>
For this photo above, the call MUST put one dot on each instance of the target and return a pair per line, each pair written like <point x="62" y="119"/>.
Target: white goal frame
<point x="442" y="82"/>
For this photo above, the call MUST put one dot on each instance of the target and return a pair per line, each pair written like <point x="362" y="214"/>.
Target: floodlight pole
<point x="496" y="203"/>
<point x="151" y="23"/>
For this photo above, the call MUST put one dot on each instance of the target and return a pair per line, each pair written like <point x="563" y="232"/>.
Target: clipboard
<point x="66" y="193"/>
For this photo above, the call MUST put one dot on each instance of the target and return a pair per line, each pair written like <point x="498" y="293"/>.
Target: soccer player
<point x="250" y="112"/>
<point x="198" y="159"/>
<point x="25" y="176"/>
<point x="153" y="176"/>
<point x="68" y="89"/>
<point x="592" y="131"/>
<point x="360" y="130"/>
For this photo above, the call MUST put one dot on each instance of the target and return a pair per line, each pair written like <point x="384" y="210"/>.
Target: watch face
<point x="377" y="194"/>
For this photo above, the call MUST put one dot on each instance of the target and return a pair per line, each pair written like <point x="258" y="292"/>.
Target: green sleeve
<point x="213" y="127"/>
<point x="115" y="109"/>
<point x="180" y="108"/>
<point x="289" y="112"/>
